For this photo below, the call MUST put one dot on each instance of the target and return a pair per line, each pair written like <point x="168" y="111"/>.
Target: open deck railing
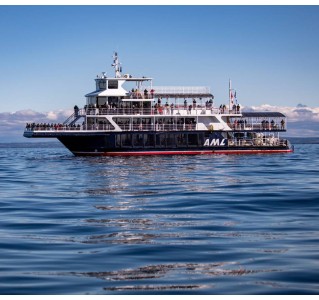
<point x="258" y="126"/>
<point x="130" y="127"/>
<point x="163" y="110"/>
<point x="110" y="127"/>
<point x="267" y="141"/>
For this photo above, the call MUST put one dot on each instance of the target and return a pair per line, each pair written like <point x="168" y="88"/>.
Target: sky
<point x="50" y="55"/>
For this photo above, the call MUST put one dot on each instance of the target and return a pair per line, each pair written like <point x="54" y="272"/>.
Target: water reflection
<point x="159" y="272"/>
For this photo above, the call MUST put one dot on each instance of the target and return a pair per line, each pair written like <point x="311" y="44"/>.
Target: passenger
<point x="172" y="108"/>
<point x="267" y="125"/>
<point x="234" y="108"/>
<point x="166" y="108"/>
<point x="76" y="110"/>
<point x="155" y="108"/>
<point x="282" y="122"/>
<point x="185" y="104"/>
<point x="190" y="109"/>
<point x="194" y="103"/>
<point x="224" y="108"/>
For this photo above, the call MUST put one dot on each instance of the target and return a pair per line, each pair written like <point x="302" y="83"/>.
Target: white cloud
<point x="298" y="113"/>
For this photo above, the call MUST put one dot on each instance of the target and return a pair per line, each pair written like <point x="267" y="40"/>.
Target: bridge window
<point x="113" y="84"/>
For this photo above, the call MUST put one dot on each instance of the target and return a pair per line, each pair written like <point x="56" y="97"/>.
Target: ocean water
<point x="236" y="224"/>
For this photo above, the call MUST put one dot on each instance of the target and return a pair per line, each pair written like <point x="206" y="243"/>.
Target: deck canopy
<point x="267" y="114"/>
<point x="182" y="92"/>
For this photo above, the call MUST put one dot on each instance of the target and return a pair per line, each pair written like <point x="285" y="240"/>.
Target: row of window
<point x="111" y="84"/>
<point x="171" y="140"/>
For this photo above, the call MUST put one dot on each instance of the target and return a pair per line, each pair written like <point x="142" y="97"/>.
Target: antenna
<point x="116" y="65"/>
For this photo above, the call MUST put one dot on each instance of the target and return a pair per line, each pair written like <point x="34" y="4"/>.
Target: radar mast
<point x="117" y="66"/>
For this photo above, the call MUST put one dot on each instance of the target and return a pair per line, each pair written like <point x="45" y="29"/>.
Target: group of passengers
<point x="160" y="109"/>
<point x="105" y="105"/>
<point x="240" y="124"/>
<point x="48" y="126"/>
<point x="137" y="94"/>
<point x="222" y="108"/>
<point x="160" y="124"/>
<point x="266" y="125"/>
<point x="236" y="109"/>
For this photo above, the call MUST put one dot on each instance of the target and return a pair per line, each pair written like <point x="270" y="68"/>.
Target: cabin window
<point x="201" y="138"/>
<point x="126" y="140"/>
<point x="108" y="141"/>
<point x="170" y="140"/>
<point x="192" y="139"/>
<point x="118" y="141"/>
<point x="138" y="140"/>
<point x="181" y="140"/>
<point x="113" y="84"/>
<point x="160" y="140"/>
<point x="149" y="140"/>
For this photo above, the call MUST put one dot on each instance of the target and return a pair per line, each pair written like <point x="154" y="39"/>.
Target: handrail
<point x="267" y="141"/>
<point x="110" y="127"/>
<point x="257" y="126"/>
<point x="72" y="117"/>
<point x="160" y="110"/>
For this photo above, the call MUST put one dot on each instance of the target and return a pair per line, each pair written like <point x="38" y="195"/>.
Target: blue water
<point x="241" y="224"/>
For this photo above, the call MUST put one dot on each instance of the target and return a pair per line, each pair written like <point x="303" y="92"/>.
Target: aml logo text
<point x="215" y="142"/>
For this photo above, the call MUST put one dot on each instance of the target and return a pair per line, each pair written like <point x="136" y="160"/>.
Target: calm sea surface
<point x="241" y="224"/>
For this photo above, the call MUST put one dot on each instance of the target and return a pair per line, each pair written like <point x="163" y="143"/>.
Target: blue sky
<point x="50" y="55"/>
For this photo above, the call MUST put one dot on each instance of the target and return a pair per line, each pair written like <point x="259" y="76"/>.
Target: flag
<point x="231" y="98"/>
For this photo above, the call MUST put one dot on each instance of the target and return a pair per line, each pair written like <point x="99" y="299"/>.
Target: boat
<point x="127" y="115"/>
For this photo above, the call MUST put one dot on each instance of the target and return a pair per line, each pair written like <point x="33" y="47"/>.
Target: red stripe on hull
<point x="198" y="152"/>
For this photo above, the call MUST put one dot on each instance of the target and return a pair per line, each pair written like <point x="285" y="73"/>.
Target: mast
<point x="116" y="64"/>
<point x="231" y="97"/>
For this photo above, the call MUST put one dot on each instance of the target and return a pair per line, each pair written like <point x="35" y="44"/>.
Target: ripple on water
<point x="158" y="225"/>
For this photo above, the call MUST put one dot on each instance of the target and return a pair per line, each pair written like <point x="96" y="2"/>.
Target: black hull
<point x="155" y="143"/>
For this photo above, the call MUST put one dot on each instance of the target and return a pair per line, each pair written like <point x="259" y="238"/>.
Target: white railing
<point x="109" y="127"/>
<point x="267" y="141"/>
<point x="181" y="89"/>
<point x="162" y="110"/>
